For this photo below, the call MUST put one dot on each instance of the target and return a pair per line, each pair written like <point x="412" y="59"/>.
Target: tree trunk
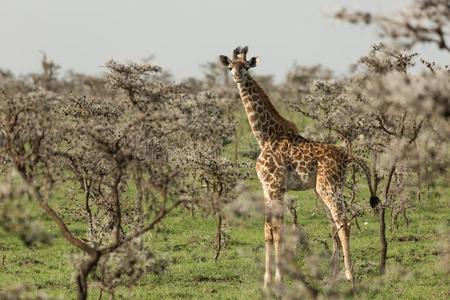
<point x="218" y="237"/>
<point x="383" y="240"/>
<point x="82" y="276"/>
<point x="384" y="244"/>
<point x="236" y="145"/>
<point x="87" y="206"/>
<point x="117" y="211"/>
<point x="139" y="196"/>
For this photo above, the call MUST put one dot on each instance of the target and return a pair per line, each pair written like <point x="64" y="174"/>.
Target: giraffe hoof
<point x="278" y="279"/>
<point x="349" y="276"/>
<point x="267" y="281"/>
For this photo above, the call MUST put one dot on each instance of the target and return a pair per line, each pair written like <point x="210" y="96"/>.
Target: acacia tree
<point x="422" y="22"/>
<point x="423" y="98"/>
<point x="35" y="147"/>
<point x="389" y="116"/>
<point x="107" y="146"/>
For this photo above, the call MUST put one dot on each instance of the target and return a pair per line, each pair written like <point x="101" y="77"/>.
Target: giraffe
<point x="288" y="161"/>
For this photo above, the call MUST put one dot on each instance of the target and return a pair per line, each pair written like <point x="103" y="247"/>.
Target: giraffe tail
<point x="374" y="200"/>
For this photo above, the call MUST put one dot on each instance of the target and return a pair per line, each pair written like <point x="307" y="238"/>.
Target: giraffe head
<point x="239" y="65"/>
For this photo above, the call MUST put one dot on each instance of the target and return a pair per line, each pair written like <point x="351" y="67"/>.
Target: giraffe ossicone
<point x="290" y="162"/>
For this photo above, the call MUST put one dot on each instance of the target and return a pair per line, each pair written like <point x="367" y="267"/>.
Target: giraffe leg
<point x="268" y="237"/>
<point x="273" y="181"/>
<point x="334" y="203"/>
<point x="277" y="228"/>
<point x="344" y="236"/>
<point x="336" y="252"/>
<point x="335" y="256"/>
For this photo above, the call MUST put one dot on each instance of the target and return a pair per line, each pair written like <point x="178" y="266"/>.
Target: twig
<point x="100" y="295"/>
<point x="3" y="262"/>
<point x="68" y="235"/>
<point x="324" y="243"/>
<point x="294" y="214"/>
<point x="218" y="238"/>
<point x="144" y="229"/>
<point x="383" y="127"/>
<point x="186" y="244"/>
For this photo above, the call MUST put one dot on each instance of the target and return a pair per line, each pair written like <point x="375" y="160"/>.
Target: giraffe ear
<point x="224" y="60"/>
<point x="253" y="62"/>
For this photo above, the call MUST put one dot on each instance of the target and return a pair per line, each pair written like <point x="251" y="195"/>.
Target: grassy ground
<point x="193" y="274"/>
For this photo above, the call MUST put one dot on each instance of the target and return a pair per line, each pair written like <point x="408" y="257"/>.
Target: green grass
<point x="193" y="274"/>
<point x="186" y="241"/>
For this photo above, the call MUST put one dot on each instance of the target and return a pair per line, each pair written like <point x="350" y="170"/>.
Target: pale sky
<point x="183" y="34"/>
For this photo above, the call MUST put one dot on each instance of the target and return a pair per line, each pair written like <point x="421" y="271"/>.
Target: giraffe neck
<point x="265" y="121"/>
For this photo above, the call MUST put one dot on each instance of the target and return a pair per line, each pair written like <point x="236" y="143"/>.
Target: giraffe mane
<point x="283" y="121"/>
